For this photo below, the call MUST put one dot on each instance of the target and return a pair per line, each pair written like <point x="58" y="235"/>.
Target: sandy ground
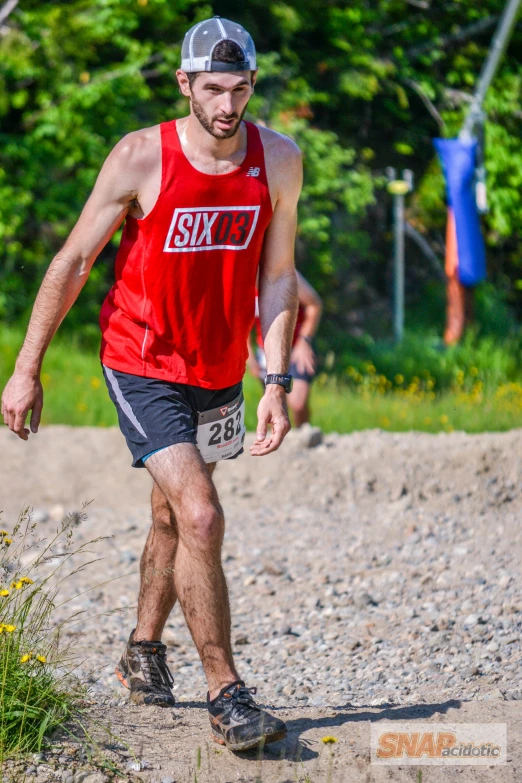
<point x="375" y="577"/>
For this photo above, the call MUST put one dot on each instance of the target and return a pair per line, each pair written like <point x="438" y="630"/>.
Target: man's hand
<point x="303" y="357"/>
<point x="22" y="394"/>
<point x="271" y="411"/>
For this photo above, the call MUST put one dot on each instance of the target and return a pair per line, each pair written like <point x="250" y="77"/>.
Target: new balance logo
<point x="253" y="171"/>
<point x="211" y="228"/>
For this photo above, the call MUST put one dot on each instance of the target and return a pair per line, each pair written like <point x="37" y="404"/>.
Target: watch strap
<point x="281" y="379"/>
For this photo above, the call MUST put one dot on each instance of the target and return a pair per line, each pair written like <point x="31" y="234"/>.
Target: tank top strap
<point x="255" y="160"/>
<point x="169" y="135"/>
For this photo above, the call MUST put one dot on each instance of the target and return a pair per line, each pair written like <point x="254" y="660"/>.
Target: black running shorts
<point x="154" y="414"/>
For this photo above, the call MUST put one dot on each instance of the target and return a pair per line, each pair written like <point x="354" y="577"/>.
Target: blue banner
<point x="458" y="160"/>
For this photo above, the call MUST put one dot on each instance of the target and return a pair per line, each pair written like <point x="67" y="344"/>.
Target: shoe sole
<point x="121" y="678"/>
<point x="264" y="740"/>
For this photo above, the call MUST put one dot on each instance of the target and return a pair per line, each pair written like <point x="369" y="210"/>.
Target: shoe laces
<point x="242" y="701"/>
<point x="153" y="662"/>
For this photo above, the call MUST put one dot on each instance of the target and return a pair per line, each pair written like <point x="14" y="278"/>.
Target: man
<point x="302" y="358"/>
<point x="207" y="199"/>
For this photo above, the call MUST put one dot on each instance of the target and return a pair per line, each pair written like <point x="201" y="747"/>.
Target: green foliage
<point x="38" y="693"/>
<point x="351" y="83"/>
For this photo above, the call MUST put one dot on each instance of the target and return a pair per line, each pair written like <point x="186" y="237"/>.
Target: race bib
<point x="221" y="431"/>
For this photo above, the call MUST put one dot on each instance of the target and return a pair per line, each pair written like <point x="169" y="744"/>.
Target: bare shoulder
<point x="133" y="167"/>
<point x="138" y="148"/>
<point x="284" y="164"/>
<point x="279" y="147"/>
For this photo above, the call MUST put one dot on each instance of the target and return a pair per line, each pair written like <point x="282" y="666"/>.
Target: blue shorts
<point x="154" y="414"/>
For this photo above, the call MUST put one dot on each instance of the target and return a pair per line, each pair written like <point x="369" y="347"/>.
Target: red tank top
<point x="182" y="305"/>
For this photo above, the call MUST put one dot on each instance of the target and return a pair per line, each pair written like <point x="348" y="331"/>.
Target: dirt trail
<point x="374" y="577"/>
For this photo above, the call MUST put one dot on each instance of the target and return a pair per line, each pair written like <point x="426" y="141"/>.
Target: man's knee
<point x="300" y="407"/>
<point x="162" y="516"/>
<point x="202" y="527"/>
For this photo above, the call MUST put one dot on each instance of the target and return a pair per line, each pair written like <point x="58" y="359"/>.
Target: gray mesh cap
<point x="201" y="40"/>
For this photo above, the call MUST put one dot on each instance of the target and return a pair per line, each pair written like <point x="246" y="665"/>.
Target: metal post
<point x="398" y="188"/>
<point x="398" y="267"/>
<point x="498" y="47"/>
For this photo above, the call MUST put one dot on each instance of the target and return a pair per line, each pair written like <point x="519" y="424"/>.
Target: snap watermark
<point x="418" y="743"/>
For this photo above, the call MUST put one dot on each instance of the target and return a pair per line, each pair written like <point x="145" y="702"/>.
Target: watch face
<point x="286" y="381"/>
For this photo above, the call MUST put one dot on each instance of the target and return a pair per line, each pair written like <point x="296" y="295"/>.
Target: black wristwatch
<point x="286" y="381"/>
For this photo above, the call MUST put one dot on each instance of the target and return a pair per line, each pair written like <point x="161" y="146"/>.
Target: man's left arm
<point x="278" y="300"/>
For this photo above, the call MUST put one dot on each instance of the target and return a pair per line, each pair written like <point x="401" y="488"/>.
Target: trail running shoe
<point x="238" y="722"/>
<point x="143" y="670"/>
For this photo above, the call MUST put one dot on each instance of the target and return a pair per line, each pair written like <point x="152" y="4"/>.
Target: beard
<point x="208" y="123"/>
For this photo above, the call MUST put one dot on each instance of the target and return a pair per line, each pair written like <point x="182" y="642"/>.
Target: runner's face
<point x="219" y="101"/>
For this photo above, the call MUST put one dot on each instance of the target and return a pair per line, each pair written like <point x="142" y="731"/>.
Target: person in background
<point x="302" y="360"/>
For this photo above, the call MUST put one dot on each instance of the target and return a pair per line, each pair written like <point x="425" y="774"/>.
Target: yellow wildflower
<point x="41" y="658"/>
<point x="26" y="580"/>
<point x="4" y="593"/>
<point x="399" y="379"/>
<point x="8" y="541"/>
<point x="17" y="585"/>
<point x="444" y="419"/>
<point x="26" y="657"/>
<point x="329" y="740"/>
<point x="81" y="406"/>
<point x="95" y="382"/>
<point x="4" y="533"/>
<point x="9" y="628"/>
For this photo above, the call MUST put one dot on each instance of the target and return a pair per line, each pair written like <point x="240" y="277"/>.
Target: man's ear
<point x="254" y="78"/>
<point x="184" y="84"/>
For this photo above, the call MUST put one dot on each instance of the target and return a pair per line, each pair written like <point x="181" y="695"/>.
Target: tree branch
<point x="456" y="97"/>
<point x="425" y="248"/>
<point x="7" y="8"/>
<point x="426" y="101"/>
<point x="461" y="35"/>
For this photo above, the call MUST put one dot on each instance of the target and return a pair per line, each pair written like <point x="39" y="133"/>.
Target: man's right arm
<point x="117" y="186"/>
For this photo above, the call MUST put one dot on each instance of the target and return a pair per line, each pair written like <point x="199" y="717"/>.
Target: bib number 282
<point x="221" y="431"/>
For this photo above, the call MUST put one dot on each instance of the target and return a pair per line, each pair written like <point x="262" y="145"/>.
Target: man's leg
<point x="157" y="591"/>
<point x="298" y="402"/>
<point x="199" y="581"/>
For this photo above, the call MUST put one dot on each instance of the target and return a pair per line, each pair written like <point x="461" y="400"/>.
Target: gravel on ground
<point x="373" y="576"/>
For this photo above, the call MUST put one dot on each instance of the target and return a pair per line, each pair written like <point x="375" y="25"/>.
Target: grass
<point x="42" y="698"/>
<point x="39" y="692"/>
<point x="475" y="387"/>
